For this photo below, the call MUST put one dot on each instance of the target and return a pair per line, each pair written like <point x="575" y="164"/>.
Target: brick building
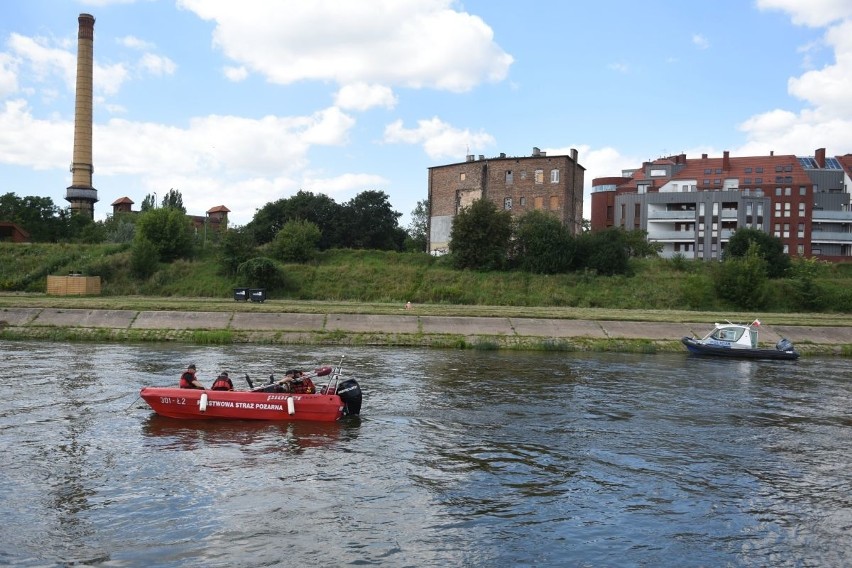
<point x="693" y="206"/>
<point x="517" y="184"/>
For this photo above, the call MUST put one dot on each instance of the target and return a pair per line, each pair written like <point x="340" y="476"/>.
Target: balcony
<point x="671" y="215"/>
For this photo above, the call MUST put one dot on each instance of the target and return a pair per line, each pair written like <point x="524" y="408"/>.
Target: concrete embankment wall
<point x="407" y="329"/>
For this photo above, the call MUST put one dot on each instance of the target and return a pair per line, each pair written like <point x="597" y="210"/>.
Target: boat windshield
<point x="728" y="333"/>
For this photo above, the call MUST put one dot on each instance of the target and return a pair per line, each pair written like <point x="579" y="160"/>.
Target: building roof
<point x="122" y="200"/>
<point x="219" y="209"/>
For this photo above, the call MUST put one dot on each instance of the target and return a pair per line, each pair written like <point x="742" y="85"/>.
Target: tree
<point x="148" y="203"/>
<point x="44" y="221"/>
<point x="744" y="280"/>
<point x="607" y="252"/>
<point x="417" y="237"/>
<point x="169" y="230"/>
<point x="173" y="199"/>
<point x="480" y="236"/>
<point x="296" y="242"/>
<point x="371" y="223"/>
<point x="769" y="248"/>
<point x="542" y="244"/>
<point x="237" y="246"/>
<point x="319" y="209"/>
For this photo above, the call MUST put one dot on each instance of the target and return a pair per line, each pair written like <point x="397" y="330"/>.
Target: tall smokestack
<point x="80" y="194"/>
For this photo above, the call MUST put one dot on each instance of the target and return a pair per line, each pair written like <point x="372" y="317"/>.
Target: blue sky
<point x="243" y="103"/>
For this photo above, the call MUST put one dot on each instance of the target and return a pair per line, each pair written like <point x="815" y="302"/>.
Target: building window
<point x="462" y="176"/>
<point x="747" y="181"/>
<point x="803" y="190"/>
<point x="788" y="168"/>
<point x="523" y="201"/>
<point x="717" y="181"/>
<point x="523" y="174"/>
<point x="777" y="229"/>
<point x="758" y="181"/>
<point x="554" y="176"/>
<point x="800" y="249"/>
<point x="787" y="209"/>
<point x="778" y="169"/>
<point x="539" y="202"/>
<point x="786" y="230"/>
<point x="787" y="191"/>
<point x="718" y="170"/>
<point x="706" y="181"/>
<point x="554" y="202"/>
<point x="748" y="170"/>
<point x="539" y="176"/>
<point x="777" y="209"/>
<point x="777" y="192"/>
<point x="508" y="177"/>
<point x="801" y="209"/>
<point x="758" y="170"/>
<point x="507" y="204"/>
<point x="801" y="231"/>
<point x="786" y="249"/>
<point x="707" y="171"/>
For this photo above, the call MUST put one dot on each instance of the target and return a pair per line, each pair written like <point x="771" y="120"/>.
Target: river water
<point x="460" y="458"/>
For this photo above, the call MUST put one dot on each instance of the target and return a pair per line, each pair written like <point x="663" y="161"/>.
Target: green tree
<point x="542" y="244"/>
<point x="480" y="236"/>
<point x="44" y="221"/>
<point x="169" y="230"/>
<point x="148" y="203"/>
<point x="371" y="223"/>
<point x="262" y="272"/>
<point x="417" y="237"/>
<point x="744" y="280"/>
<point x="296" y="242"/>
<point x="144" y="258"/>
<point x="236" y="247"/>
<point x="319" y="209"/>
<point x="173" y="199"/>
<point x="607" y="252"/>
<point x="769" y="248"/>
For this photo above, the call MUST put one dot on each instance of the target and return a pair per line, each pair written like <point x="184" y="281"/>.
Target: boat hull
<point x="242" y="405"/>
<point x="695" y="346"/>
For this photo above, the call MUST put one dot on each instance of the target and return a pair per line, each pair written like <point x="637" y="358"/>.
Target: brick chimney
<point x="820" y="158"/>
<point x="726" y="161"/>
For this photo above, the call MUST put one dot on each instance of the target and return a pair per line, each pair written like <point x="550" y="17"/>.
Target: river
<point x="460" y="458"/>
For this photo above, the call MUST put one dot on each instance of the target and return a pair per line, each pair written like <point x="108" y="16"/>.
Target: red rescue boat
<point x="274" y="401"/>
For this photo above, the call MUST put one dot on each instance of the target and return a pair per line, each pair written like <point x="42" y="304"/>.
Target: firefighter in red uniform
<point x="188" y="380"/>
<point x="222" y="383"/>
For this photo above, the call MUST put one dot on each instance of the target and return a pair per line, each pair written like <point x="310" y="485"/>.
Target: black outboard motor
<point x="784" y="345"/>
<point x="349" y="392"/>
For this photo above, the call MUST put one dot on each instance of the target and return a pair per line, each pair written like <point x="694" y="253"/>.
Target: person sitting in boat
<point x="188" y="380"/>
<point x="295" y="381"/>
<point x="222" y="383"/>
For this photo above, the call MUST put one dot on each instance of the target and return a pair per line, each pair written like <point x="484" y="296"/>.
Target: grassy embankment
<point x="374" y="282"/>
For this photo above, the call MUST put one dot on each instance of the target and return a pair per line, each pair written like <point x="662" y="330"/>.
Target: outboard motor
<point x="349" y="392"/>
<point x="784" y="345"/>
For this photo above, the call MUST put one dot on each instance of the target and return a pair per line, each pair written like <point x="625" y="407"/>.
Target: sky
<point x="245" y="103"/>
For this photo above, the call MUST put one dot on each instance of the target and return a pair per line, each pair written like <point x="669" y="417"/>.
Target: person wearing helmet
<point x="222" y="382"/>
<point x="188" y="380"/>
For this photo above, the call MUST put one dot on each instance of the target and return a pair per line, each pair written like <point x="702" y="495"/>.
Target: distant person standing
<point x="188" y="380"/>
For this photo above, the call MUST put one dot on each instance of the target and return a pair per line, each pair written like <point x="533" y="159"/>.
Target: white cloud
<point x="410" y="43"/>
<point x="346" y="183"/>
<point x="8" y="75"/>
<point x="43" y="62"/>
<point x="700" y="41"/>
<point x="620" y="67"/>
<point x="157" y="64"/>
<point x="236" y="74"/>
<point x="135" y="43"/>
<point x="439" y="139"/>
<point x="361" y="96"/>
<point x="813" y="13"/>
<point x="826" y="120"/>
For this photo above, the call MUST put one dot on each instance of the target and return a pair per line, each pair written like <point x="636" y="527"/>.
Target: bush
<point x="744" y="281"/>
<point x="144" y="259"/>
<point x="297" y="241"/>
<point x="262" y="272"/>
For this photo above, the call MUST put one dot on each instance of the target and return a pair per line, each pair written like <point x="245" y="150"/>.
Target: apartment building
<point x="514" y="183"/>
<point x="693" y="206"/>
